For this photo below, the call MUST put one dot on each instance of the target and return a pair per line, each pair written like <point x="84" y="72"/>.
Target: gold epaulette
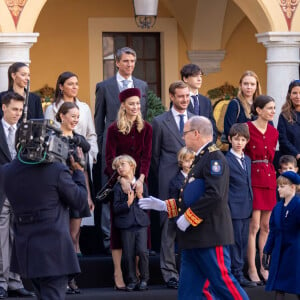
<point x="192" y="218"/>
<point x="172" y="208"/>
<point x="213" y="148"/>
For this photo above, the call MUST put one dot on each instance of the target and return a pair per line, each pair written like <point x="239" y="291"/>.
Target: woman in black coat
<point x="18" y="76"/>
<point x="289" y="122"/>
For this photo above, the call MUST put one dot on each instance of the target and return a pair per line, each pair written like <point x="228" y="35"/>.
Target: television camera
<point x="40" y="141"/>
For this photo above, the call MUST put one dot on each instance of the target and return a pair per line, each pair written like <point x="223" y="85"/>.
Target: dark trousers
<point x="238" y="250"/>
<point x="213" y="264"/>
<point x="167" y="247"/>
<point x="135" y="244"/>
<point x="50" y="288"/>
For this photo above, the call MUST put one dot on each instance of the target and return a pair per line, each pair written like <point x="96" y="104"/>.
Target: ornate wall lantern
<point x="145" y="12"/>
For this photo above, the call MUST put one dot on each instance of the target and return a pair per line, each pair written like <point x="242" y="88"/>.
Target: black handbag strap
<point x="110" y="183"/>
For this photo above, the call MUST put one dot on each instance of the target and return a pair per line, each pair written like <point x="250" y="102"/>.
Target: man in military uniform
<point x="204" y="221"/>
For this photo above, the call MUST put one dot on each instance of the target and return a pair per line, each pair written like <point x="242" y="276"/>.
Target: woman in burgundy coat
<point x="130" y="135"/>
<point x="261" y="149"/>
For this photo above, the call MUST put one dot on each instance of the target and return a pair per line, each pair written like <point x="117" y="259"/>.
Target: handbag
<point x="106" y="194"/>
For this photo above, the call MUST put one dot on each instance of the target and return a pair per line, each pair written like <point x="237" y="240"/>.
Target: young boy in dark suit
<point x="132" y="222"/>
<point x="240" y="198"/>
<point x="185" y="159"/>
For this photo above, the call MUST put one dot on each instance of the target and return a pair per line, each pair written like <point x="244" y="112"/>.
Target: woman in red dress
<point x="261" y="149"/>
<point x="131" y="135"/>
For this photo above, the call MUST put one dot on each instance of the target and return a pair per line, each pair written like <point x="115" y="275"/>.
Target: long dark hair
<point x="260" y="101"/>
<point x="60" y="81"/>
<point x="288" y="108"/>
<point x="14" y="68"/>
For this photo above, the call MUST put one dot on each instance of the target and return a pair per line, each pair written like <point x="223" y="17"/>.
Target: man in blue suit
<point x="240" y="199"/>
<point x="106" y="108"/>
<point x="40" y="196"/>
<point x="166" y="142"/>
<point x="199" y="105"/>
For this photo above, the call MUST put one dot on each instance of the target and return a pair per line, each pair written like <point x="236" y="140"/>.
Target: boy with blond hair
<point x="132" y="222"/>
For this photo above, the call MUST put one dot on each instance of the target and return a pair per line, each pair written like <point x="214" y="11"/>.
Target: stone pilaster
<point x="14" y="47"/>
<point x="282" y="63"/>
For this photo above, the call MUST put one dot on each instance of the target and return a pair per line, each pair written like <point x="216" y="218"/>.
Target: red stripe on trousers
<point x="224" y="272"/>
<point x="206" y="292"/>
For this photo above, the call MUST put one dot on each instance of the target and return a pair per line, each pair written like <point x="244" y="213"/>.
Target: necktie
<point x="243" y="163"/>
<point x="196" y="105"/>
<point x="125" y="84"/>
<point x="181" y="124"/>
<point x="11" y="141"/>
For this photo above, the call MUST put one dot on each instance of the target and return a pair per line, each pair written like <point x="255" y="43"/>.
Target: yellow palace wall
<point x="63" y="45"/>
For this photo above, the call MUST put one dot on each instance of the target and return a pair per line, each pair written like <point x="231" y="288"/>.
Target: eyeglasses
<point x="186" y="132"/>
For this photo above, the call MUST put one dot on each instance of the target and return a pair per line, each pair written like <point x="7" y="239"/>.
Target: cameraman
<point x="40" y="195"/>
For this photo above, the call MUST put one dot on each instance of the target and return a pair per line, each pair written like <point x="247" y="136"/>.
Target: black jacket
<point x="210" y="166"/>
<point x="128" y="217"/>
<point x="40" y="196"/>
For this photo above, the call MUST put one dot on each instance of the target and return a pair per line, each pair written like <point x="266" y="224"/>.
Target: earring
<point x="61" y="92"/>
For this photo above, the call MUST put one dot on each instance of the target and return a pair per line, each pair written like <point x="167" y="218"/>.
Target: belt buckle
<point x="27" y="218"/>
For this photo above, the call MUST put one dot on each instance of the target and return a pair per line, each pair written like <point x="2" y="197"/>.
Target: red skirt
<point x="263" y="198"/>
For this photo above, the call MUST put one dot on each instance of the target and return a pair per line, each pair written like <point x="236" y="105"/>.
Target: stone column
<point x="282" y="63"/>
<point x="14" y="47"/>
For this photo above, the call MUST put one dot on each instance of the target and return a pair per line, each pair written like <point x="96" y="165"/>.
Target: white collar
<point x="121" y="78"/>
<point x="176" y="113"/>
<point x="6" y="125"/>
<point x="236" y="155"/>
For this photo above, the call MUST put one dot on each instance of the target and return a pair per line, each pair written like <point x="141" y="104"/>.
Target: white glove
<point x="182" y="223"/>
<point x="152" y="203"/>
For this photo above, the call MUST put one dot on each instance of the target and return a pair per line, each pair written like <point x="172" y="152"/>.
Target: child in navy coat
<point x="240" y="199"/>
<point x="281" y="252"/>
<point x="132" y="222"/>
<point x="168" y="265"/>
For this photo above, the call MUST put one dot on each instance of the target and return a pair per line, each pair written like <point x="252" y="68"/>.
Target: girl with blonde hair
<point x="239" y="108"/>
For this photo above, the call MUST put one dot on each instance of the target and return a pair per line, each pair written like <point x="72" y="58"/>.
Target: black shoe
<point x="143" y="286"/>
<point x="172" y="283"/>
<point x="20" y="293"/>
<point x="151" y="252"/>
<point x="3" y="293"/>
<point x="258" y="283"/>
<point x="244" y="282"/>
<point x="131" y="287"/>
<point x="72" y="287"/>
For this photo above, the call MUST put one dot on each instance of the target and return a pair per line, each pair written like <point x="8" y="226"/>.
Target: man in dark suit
<point x="166" y="142"/>
<point x="203" y="218"/>
<point x="106" y="108"/>
<point x="40" y="196"/>
<point x="12" y="107"/>
<point x="199" y="105"/>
